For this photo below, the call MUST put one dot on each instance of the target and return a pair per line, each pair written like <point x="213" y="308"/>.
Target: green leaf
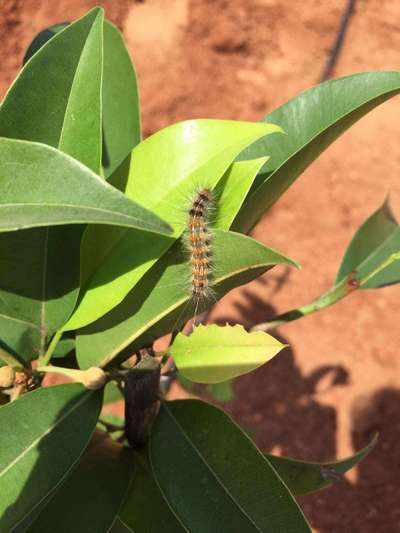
<point x="166" y="169"/>
<point x="121" y="118"/>
<point x="50" y="98"/>
<point x="186" y="155"/>
<point x="120" y="101"/>
<point x="90" y="498"/>
<point x="162" y="300"/>
<point x="51" y="427"/>
<point x="49" y="103"/>
<point x="36" y="291"/>
<point x="376" y="239"/>
<point x="41" y="39"/>
<point x="303" y="477"/>
<point x="222" y="392"/>
<point x="37" y="266"/>
<point x="212" y="354"/>
<point x="312" y="120"/>
<point x="19" y="336"/>
<point x="114" y="426"/>
<point x="145" y="510"/>
<point x="237" y="490"/>
<point x="64" y="348"/>
<point x="120" y="527"/>
<point x="76" y="195"/>
<point x="112" y="393"/>
<point x="235" y="185"/>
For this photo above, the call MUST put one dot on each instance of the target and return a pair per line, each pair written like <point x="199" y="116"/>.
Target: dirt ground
<point x="339" y="382"/>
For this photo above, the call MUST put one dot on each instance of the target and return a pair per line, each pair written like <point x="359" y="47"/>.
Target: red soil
<point x="339" y="382"/>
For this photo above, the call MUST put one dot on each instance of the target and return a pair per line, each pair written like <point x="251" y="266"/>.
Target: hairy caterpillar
<point x="198" y="242"/>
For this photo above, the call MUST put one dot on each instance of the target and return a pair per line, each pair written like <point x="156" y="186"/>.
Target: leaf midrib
<point x="170" y="309"/>
<point x="204" y="461"/>
<point x="43" y="328"/>
<point x="60" y="140"/>
<point x="45" y="433"/>
<point x="73" y="206"/>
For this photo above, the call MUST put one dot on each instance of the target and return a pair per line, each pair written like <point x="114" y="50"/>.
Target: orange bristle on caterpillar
<point x="199" y="244"/>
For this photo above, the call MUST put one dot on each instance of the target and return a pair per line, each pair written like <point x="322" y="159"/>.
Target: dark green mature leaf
<point x="31" y="303"/>
<point x="162" y="300"/>
<point x="303" y="477"/>
<point x="50" y="99"/>
<point x="145" y="510"/>
<point x="120" y="101"/>
<point x="376" y="239"/>
<point x="121" y="116"/>
<point x="64" y="348"/>
<point x="41" y="39"/>
<point x="90" y="498"/>
<point x="312" y="121"/>
<point x="18" y="336"/>
<point x="213" y="354"/>
<point x="49" y="102"/>
<point x="237" y="490"/>
<point x="42" y="436"/>
<point x="76" y="195"/>
<point x="120" y="527"/>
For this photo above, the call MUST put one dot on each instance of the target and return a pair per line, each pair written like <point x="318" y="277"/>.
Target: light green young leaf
<point x="374" y="242"/>
<point x="163" y="301"/>
<point x="235" y="185"/>
<point x="186" y="155"/>
<point x="34" y="457"/>
<point x="90" y="498"/>
<point x="303" y="477"/>
<point x="312" y="120"/>
<point x="165" y="171"/>
<point x="212" y="354"/>
<point x="192" y="440"/>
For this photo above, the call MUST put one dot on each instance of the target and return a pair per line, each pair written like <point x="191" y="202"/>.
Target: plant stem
<point x="17" y="391"/>
<point x="72" y="373"/>
<point x="110" y="427"/>
<point x="336" y="293"/>
<point x="332" y="296"/>
<point x="44" y="360"/>
<point x="11" y="360"/>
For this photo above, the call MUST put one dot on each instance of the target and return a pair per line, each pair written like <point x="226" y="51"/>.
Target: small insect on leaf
<point x="330" y="474"/>
<point x="141" y="389"/>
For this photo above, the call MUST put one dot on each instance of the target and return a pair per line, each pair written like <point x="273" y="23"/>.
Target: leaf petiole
<point x="348" y="285"/>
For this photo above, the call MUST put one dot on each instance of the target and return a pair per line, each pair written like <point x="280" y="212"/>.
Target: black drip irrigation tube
<point x="338" y="44"/>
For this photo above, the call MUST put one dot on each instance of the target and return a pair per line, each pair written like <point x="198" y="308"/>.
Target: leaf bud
<point x="93" y="378"/>
<point x="7" y="376"/>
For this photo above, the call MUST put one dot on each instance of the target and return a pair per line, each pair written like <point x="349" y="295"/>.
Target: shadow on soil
<point x="277" y="406"/>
